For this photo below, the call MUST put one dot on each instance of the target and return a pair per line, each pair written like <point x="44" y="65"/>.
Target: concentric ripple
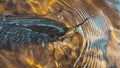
<point x="96" y="43"/>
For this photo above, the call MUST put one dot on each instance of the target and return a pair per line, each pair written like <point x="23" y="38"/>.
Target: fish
<point x="19" y="31"/>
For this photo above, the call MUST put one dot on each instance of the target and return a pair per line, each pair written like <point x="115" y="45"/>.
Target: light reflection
<point x="101" y="32"/>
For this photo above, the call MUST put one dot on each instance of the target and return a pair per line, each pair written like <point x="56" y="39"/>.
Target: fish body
<point x="30" y="30"/>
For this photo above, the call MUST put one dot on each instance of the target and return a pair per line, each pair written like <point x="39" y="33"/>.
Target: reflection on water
<point x="96" y="45"/>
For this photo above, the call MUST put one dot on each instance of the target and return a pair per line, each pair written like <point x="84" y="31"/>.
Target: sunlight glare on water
<point x="95" y="45"/>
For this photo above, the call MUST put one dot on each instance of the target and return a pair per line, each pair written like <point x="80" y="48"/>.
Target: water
<point x="96" y="45"/>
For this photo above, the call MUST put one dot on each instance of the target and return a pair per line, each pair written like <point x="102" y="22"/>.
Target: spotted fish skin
<point x="29" y="22"/>
<point x="30" y="30"/>
<point x="15" y="35"/>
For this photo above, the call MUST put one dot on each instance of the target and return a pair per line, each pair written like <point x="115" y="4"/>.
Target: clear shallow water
<point x="96" y="45"/>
